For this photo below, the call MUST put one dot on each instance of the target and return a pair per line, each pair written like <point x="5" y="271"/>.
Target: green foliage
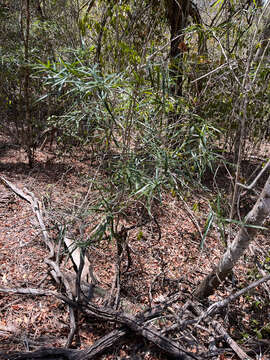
<point x="102" y="79"/>
<point x="125" y="117"/>
<point x="207" y="227"/>
<point x="120" y="38"/>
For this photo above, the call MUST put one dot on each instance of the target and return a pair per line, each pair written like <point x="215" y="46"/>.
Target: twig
<point x="220" y="329"/>
<point x="234" y="64"/>
<point x="150" y="297"/>
<point x="28" y="291"/>
<point x="251" y="186"/>
<point x="136" y="324"/>
<point x="150" y="333"/>
<point x="30" y="198"/>
<point x="36" y="207"/>
<point x="194" y="220"/>
<point x="214" y="308"/>
<point x="261" y="271"/>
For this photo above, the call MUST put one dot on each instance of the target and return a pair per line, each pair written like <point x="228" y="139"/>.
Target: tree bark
<point x="27" y="128"/>
<point x="253" y="220"/>
<point x="178" y="12"/>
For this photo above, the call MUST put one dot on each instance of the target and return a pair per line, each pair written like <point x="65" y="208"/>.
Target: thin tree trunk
<point x="178" y="12"/>
<point x="27" y="129"/>
<point x="263" y="49"/>
<point x="265" y="38"/>
<point x="253" y="220"/>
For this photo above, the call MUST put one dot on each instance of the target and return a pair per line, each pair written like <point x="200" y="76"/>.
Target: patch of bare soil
<point x="167" y="257"/>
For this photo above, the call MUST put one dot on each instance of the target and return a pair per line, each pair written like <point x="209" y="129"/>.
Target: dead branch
<point x="251" y="186"/>
<point x="220" y="329"/>
<point x="150" y="333"/>
<point x="135" y="323"/>
<point x="138" y="324"/>
<point x="36" y="207"/>
<point x="214" y="308"/>
<point x="67" y="354"/>
<point x="75" y="255"/>
<point x="27" y="291"/>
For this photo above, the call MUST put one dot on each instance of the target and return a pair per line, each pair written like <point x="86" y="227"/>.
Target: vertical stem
<point x="104" y="19"/>
<point x="177" y="12"/>
<point x="245" y="88"/>
<point x="28" y="132"/>
<point x="240" y="146"/>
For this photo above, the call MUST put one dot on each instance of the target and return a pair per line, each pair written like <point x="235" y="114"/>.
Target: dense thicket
<point x="157" y="97"/>
<point x="157" y="91"/>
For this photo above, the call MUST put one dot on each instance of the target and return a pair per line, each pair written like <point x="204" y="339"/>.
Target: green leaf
<point x="208" y="224"/>
<point x="241" y="223"/>
<point x="217" y="2"/>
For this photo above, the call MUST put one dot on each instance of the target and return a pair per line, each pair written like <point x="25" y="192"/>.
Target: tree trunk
<point x="253" y="220"/>
<point x="27" y="128"/>
<point x="177" y="14"/>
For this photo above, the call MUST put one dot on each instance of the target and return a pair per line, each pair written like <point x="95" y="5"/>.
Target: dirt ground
<point x="165" y="263"/>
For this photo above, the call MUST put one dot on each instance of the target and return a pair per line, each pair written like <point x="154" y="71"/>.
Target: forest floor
<point x="166" y="257"/>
